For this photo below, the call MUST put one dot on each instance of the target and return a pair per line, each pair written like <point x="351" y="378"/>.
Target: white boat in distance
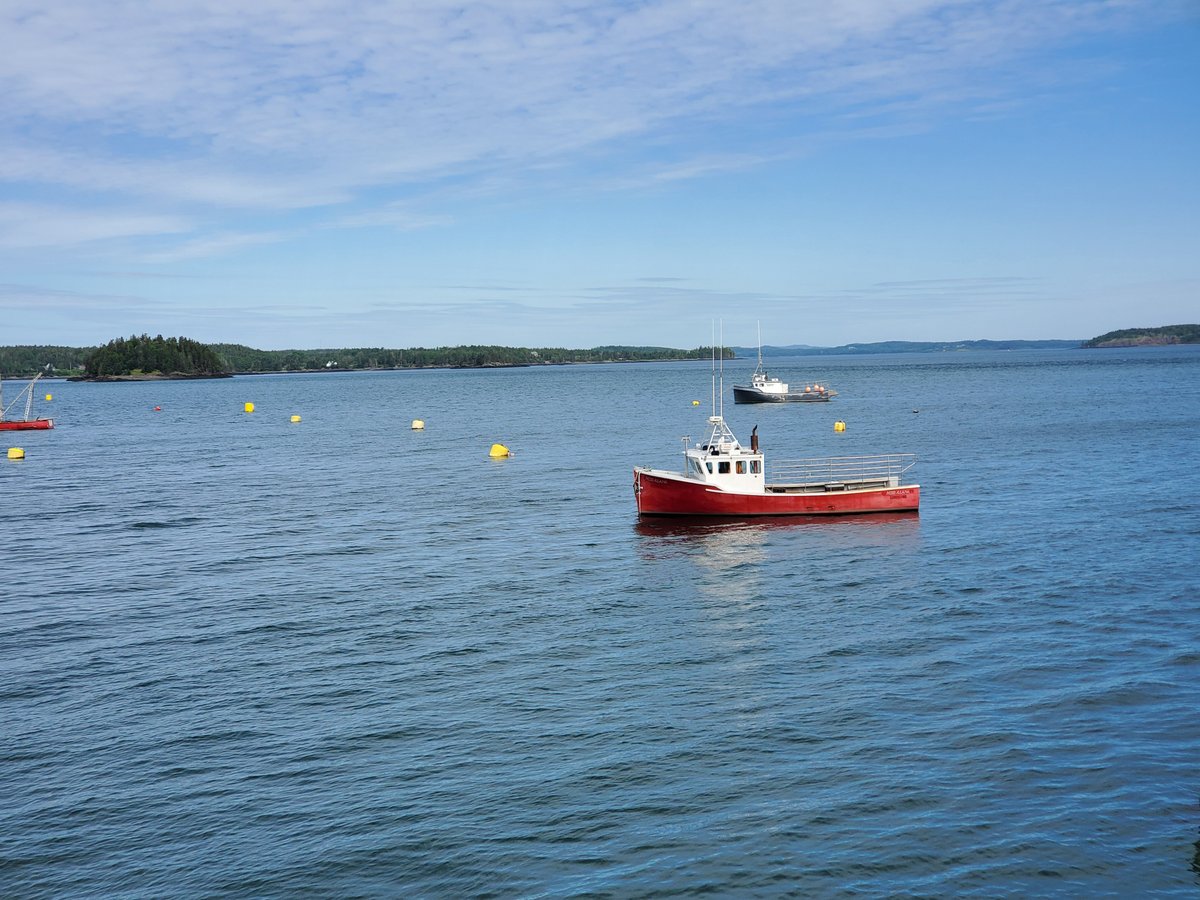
<point x="764" y="388"/>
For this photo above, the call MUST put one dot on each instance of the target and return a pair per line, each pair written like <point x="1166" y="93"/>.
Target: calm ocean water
<point x="245" y="657"/>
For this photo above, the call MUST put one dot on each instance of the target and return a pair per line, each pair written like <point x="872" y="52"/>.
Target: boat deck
<point x="838" y="473"/>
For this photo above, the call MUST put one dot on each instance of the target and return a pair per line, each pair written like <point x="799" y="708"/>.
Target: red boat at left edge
<point x="25" y="424"/>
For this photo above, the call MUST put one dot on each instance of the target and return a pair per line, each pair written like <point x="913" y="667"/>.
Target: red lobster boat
<point x="720" y="477"/>
<point x="25" y="424"/>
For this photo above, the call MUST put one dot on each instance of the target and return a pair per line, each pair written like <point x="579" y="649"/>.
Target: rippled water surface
<point x="241" y="656"/>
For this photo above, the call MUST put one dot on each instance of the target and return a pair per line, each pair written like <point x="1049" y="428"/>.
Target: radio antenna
<point x="721" y="393"/>
<point x="713" y="350"/>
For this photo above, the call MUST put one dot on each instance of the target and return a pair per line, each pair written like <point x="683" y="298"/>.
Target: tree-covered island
<point x="1147" y="337"/>
<point x="146" y="357"/>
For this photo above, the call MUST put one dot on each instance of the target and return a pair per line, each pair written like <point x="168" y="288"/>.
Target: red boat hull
<point x="677" y="496"/>
<point x="26" y="425"/>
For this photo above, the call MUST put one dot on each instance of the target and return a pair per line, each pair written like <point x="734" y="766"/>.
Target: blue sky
<point x="555" y="173"/>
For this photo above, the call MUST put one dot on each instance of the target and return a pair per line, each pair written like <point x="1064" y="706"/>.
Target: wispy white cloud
<point x="925" y="298"/>
<point x="25" y="297"/>
<point x="39" y="315"/>
<point x="191" y="109"/>
<point x="27" y="225"/>
<point x="396" y="216"/>
<point x="205" y="183"/>
<point x="521" y="314"/>
<point x="210" y="245"/>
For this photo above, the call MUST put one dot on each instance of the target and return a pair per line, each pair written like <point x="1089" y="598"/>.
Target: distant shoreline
<point x="176" y="377"/>
<point x="908" y="347"/>
<point x="23" y="361"/>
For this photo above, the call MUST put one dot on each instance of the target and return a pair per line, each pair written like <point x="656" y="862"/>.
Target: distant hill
<point x="907" y="347"/>
<point x="1147" y="337"/>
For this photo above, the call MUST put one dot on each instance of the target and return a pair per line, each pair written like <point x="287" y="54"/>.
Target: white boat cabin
<point x="721" y="461"/>
<point x="767" y="384"/>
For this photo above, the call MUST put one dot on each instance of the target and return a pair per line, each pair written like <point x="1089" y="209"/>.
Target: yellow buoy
<point x="418" y="425"/>
<point x="695" y="403"/>
<point x="249" y="407"/>
<point x="49" y="397"/>
<point x="295" y="418"/>
<point x="839" y="426"/>
<point x="498" y="451"/>
<point x="16" y="453"/>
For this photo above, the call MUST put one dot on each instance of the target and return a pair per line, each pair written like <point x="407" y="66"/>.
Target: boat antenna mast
<point x="29" y="396"/>
<point x="721" y="392"/>
<point x="718" y="409"/>
<point x="713" y="357"/>
<point x="27" y="393"/>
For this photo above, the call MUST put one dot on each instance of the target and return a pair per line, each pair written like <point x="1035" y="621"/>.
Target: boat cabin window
<point x="741" y="467"/>
<point x="723" y="467"/>
<point x="709" y="466"/>
<point x="755" y="466"/>
<point x="696" y="467"/>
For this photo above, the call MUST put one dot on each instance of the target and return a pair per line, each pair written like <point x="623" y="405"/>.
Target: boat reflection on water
<point x="697" y="526"/>
<point x="714" y="543"/>
<point x="720" y="542"/>
<point x="730" y="563"/>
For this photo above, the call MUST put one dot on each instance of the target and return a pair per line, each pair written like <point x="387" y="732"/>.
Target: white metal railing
<point x="840" y="469"/>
